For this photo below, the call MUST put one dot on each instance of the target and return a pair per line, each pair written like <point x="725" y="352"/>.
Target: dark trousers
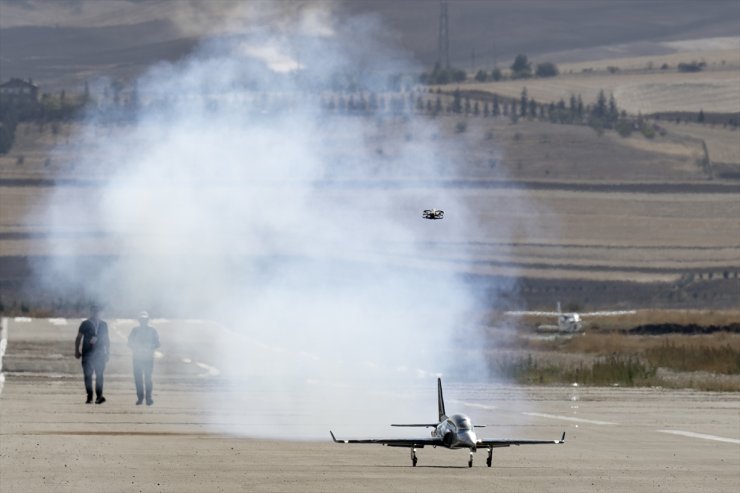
<point x="94" y="365"/>
<point x="143" y="377"/>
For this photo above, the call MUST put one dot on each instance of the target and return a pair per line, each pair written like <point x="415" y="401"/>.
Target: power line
<point x="443" y="38"/>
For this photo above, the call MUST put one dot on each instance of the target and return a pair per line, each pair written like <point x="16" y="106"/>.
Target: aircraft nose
<point x="467" y="438"/>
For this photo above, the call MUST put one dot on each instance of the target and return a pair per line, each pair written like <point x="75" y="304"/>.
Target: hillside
<point x="61" y="44"/>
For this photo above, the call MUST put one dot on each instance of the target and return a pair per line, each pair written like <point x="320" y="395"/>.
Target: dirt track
<point x="617" y="439"/>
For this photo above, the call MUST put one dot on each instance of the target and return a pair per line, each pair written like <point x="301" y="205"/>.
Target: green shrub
<point x="624" y="128"/>
<point x="648" y="131"/>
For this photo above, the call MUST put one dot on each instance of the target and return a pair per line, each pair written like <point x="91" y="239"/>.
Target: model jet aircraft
<point x="569" y="322"/>
<point x="433" y="214"/>
<point x="453" y="432"/>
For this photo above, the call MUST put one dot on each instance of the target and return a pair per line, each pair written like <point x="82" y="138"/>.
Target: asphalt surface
<point x="199" y="436"/>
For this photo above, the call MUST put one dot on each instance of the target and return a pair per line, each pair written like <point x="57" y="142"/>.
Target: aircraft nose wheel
<point x="413" y="457"/>
<point x="470" y="461"/>
<point x="489" y="461"/>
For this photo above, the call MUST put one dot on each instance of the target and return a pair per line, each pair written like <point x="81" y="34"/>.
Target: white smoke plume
<point x="234" y="197"/>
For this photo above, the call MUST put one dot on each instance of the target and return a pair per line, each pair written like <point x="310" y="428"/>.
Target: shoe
<point x="100" y="400"/>
<point x="149" y="402"/>
<point x="139" y="401"/>
<point x="89" y="400"/>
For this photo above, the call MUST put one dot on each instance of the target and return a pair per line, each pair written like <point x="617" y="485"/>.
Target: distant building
<point x="18" y="91"/>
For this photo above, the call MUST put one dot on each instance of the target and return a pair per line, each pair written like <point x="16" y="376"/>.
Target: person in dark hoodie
<point x="143" y="341"/>
<point x="92" y="345"/>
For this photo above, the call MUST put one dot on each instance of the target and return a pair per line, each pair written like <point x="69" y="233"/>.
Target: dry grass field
<point x="635" y="224"/>
<point x="721" y="56"/>
<point x="723" y="144"/>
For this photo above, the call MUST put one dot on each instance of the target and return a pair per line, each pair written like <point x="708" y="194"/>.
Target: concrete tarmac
<point x="635" y="440"/>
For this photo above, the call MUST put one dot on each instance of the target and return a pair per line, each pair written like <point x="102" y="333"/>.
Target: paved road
<point x="200" y="435"/>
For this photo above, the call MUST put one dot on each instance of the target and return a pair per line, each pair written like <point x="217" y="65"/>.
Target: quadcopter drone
<point x="433" y="214"/>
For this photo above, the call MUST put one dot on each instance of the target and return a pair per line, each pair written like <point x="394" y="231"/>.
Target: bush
<point x="691" y="67"/>
<point x="546" y="69"/>
<point x="724" y="359"/>
<point x="648" y="131"/>
<point x="616" y="369"/>
<point x="521" y="68"/>
<point x="624" y="128"/>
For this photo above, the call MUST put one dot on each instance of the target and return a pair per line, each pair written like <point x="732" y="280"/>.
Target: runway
<point x="616" y="439"/>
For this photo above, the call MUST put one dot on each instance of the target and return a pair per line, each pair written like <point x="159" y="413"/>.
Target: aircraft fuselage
<point x="456" y="432"/>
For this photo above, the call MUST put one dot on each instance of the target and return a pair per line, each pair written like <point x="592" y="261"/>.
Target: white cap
<point x="143" y="315"/>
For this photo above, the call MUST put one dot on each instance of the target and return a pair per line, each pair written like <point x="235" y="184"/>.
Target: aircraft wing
<point x="608" y="314"/>
<point x="418" y="425"/>
<point x="536" y="314"/>
<point x="508" y="443"/>
<point x="394" y="442"/>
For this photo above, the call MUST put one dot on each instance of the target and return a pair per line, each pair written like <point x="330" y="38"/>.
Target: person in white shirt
<point x="143" y="341"/>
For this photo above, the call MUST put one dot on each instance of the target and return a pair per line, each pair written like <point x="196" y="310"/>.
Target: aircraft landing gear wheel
<point x="413" y="457"/>
<point x="470" y="461"/>
<point x="489" y="461"/>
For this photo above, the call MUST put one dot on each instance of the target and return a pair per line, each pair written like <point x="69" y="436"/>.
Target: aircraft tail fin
<point x="440" y="401"/>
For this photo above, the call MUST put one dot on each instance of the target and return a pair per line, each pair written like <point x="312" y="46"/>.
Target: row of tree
<point x="602" y="114"/>
<point x="520" y="69"/>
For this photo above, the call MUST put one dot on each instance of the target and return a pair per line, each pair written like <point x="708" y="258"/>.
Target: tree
<point x="613" y="111"/>
<point x="546" y="69"/>
<point x="486" y="110"/>
<point x="438" y="105"/>
<point x="496" y="75"/>
<point x="521" y="68"/>
<point x="7" y="136"/>
<point x="523" y="102"/>
<point x="481" y="76"/>
<point x="700" y="118"/>
<point x="467" y="106"/>
<point x="496" y="110"/>
<point x="600" y="108"/>
<point x="456" y="102"/>
<point x="476" y="108"/>
<point x="457" y="75"/>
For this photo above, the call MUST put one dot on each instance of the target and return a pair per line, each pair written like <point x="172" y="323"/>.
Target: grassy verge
<point x="624" y="370"/>
<point x="616" y="370"/>
<point x="702" y="362"/>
